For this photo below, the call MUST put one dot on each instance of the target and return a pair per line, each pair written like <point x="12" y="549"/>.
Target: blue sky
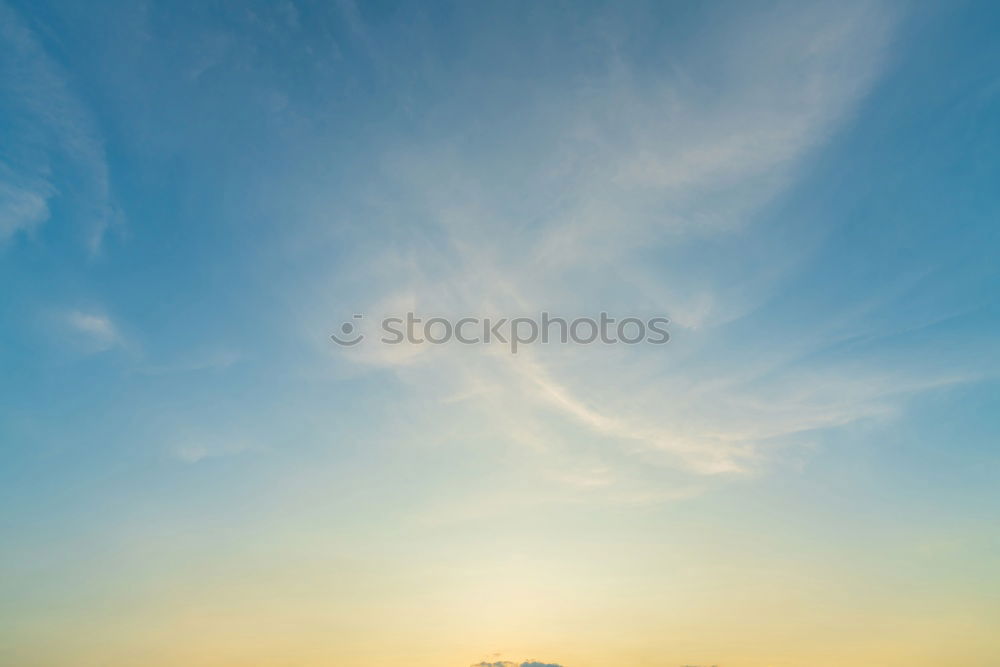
<point x="194" y="196"/>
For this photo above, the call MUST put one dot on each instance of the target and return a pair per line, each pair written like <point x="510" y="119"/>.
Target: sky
<point x="195" y="196"/>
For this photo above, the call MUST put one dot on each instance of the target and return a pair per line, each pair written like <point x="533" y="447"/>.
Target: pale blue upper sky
<point x="193" y="196"/>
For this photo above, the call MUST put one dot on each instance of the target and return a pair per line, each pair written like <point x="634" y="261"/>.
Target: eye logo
<point x="349" y="331"/>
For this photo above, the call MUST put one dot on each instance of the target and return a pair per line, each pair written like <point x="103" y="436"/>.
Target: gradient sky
<point x="194" y="196"/>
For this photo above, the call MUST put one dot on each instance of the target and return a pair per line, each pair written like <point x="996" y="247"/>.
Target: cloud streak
<point x="624" y="164"/>
<point x="94" y="330"/>
<point x="52" y="140"/>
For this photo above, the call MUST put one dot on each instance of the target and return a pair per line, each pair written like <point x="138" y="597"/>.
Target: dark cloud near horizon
<point x="507" y="663"/>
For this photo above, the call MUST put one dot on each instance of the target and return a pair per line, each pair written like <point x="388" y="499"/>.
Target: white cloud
<point x="22" y="209"/>
<point x="639" y="163"/>
<point x="46" y="123"/>
<point x="94" y="330"/>
<point x="202" y="360"/>
<point x="196" y="448"/>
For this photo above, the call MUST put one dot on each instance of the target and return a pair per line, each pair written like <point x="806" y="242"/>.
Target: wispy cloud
<point x="93" y="330"/>
<point x="194" y="449"/>
<point x="22" y="207"/>
<point x="50" y="133"/>
<point x="204" y="360"/>
<point x="624" y="164"/>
